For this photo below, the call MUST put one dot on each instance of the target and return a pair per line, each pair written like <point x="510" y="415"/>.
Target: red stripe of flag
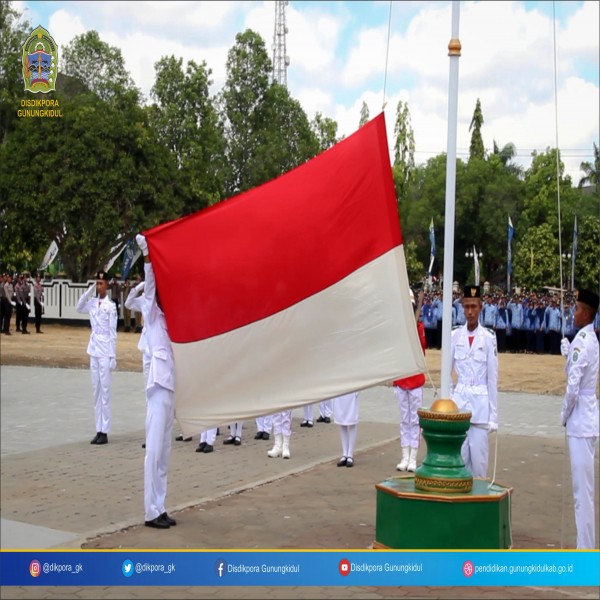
<point x="263" y="251"/>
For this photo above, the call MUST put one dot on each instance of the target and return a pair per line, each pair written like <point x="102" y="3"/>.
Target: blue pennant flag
<point x="511" y="232"/>
<point x="432" y="242"/>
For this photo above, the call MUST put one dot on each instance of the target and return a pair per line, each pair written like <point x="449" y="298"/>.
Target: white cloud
<point x="338" y="58"/>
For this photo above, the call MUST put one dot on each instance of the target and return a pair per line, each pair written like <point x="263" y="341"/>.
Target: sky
<point x="534" y="66"/>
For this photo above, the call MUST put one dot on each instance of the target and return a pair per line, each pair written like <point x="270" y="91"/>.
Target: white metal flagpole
<point x="454" y="48"/>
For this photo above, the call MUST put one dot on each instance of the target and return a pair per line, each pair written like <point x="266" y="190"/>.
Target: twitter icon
<point x="127" y="568"/>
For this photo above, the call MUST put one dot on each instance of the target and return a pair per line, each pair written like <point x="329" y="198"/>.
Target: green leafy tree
<point x="404" y="149"/>
<point x="587" y="261"/>
<point x="414" y="266"/>
<point x="13" y="33"/>
<point x="506" y="155"/>
<point x="364" y="114"/>
<point x="242" y="108"/>
<point x="100" y="66"/>
<point x="187" y="123"/>
<point x="476" y="149"/>
<point x="86" y="180"/>
<point x="325" y="130"/>
<point x="591" y="171"/>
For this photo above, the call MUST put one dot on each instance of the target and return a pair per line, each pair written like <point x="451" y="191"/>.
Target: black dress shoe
<point x="25" y="332"/>
<point x="259" y="435"/>
<point x="201" y="447"/>
<point x="172" y="522"/>
<point x="237" y="441"/>
<point x="349" y="462"/>
<point x="208" y="448"/>
<point x="158" y="523"/>
<point x="304" y="423"/>
<point x="144" y="445"/>
<point x="95" y="439"/>
<point x="342" y="462"/>
<point x="321" y="419"/>
<point x="102" y="439"/>
<point x="265" y="435"/>
<point x="327" y="419"/>
<point x="179" y="438"/>
<point x="229" y="440"/>
<point x="309" y="424"/>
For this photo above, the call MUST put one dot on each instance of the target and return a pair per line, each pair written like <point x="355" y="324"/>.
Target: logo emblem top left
<point x="40" y="62"/>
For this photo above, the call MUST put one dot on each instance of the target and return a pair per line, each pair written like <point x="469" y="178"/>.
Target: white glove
<point x="492" y="427"/>
<point x="139" y="288"/>
<point x="142" y="243"/>
<point x="90" y="290"/>
<point x="27" y="306"/>
<point x="13" y="302"/>
<point x="113" y="364"/>
<point x="564" y="347"/>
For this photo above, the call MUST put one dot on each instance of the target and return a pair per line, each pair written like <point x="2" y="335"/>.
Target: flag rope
<point x="387" y="52"/>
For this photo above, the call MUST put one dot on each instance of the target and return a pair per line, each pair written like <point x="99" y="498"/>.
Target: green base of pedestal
<point x="411" y="518"/>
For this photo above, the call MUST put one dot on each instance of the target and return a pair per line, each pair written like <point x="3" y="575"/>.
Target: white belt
<point x="477" y="389"/>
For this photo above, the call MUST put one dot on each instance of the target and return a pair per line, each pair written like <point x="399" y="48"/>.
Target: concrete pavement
<point x="58" y="491"/>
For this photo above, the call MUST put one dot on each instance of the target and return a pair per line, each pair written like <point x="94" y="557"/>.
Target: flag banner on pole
<point x="511" y="232"/>
<point x="112" y="260"/>
<point x="476" y="265"/>
<point x="49" y="256"/>
<point x="574" y="253"/>
<point x="432" y="243"/>
<point x="290" y="293"/>
<point x="130" y="255"/>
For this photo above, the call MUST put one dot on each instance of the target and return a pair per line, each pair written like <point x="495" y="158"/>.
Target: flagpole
<point x="454" y="48"/>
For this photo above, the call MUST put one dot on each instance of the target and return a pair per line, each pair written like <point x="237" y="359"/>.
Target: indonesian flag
<point x="290" y="293"/>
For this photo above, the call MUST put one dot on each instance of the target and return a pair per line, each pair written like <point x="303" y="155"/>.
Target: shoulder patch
<point x="582" y="334"/>
<point x="576" y="355"/>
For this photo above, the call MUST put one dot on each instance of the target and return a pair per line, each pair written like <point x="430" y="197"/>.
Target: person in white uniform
<point x="307" y="412"/>
<point x="235" y="434"/>
<point x="102" y="349"/>
<point x="207" y="441"/>
<point x="345" y="414"/>
<point x="474" y="358"/>
<point x="263" y="427"/>
<point x="160" y="409"/>
<point x="282" y="430"/>
<point x="580" y="415"/>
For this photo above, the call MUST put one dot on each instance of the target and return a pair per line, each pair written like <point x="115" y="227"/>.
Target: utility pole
<point x="281" y="60"/>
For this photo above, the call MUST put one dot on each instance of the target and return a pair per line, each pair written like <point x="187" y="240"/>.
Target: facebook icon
<point x="221" y="567"/>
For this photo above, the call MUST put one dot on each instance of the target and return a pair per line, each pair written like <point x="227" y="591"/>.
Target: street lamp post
<point x="475" y="256"/>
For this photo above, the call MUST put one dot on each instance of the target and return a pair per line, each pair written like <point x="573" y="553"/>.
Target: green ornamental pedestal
<point x="442" y="506"/>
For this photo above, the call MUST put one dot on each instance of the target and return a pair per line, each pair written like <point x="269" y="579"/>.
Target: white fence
<point x="61" y="297"/>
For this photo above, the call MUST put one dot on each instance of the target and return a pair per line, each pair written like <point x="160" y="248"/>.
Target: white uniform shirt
<point x="580" y="404"/>
<point x="476" y="367"/>
<point x="135" y="302"/>
<point x="157" y="342"/>
<point x="103" y="319"/>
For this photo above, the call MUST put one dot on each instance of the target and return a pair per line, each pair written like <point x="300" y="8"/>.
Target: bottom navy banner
<point x="299" y="568"/>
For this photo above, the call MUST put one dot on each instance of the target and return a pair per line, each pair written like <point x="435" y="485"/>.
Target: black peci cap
<point x="472" y="291"/>
<point x="588" y="298"/>
<point x="103" y="275"/>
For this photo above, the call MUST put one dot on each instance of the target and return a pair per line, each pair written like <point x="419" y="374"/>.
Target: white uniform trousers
<point x="264" y="423"/>
<point x="235" y="429"/>
<point x="475" y="450"/>
<point x="409" y="401"/>
<point x="282" y="423"/>
<point x="308" y="412"/>
<point x="581" y="451"/>
<point x="160" y="414"/>
<point x="209" y="436"/>
<point x="326" y="408"/>
<point x="102" y="390"/>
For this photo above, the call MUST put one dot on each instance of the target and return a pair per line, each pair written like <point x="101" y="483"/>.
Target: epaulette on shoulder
<point x="456" y="327"/>
<point x="490" y="330"/>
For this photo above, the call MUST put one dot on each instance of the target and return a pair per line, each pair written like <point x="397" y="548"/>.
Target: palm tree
<point x="592" y="172"/>
<point x="506" y="154"/>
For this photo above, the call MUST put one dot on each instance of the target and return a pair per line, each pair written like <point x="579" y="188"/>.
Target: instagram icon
<point x="35" y="568"/>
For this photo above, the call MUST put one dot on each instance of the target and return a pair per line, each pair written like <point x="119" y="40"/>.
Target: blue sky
<point x="338" y="56"/>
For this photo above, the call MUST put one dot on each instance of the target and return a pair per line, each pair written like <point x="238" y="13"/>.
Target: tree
<point x="242" y="103"/>
<point x="592" y="171"/>
<point x="325" y="130"/>
<point x="404" y="149"/>
<point x="187" y="123"/>
<point x="13" y="33"/>
<point x="506" y="154"/>
<point x="87" y="180"/>
<point x="364" y="114"/>
<point x="476" y="149"/>
<point x="100" y="66"/>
